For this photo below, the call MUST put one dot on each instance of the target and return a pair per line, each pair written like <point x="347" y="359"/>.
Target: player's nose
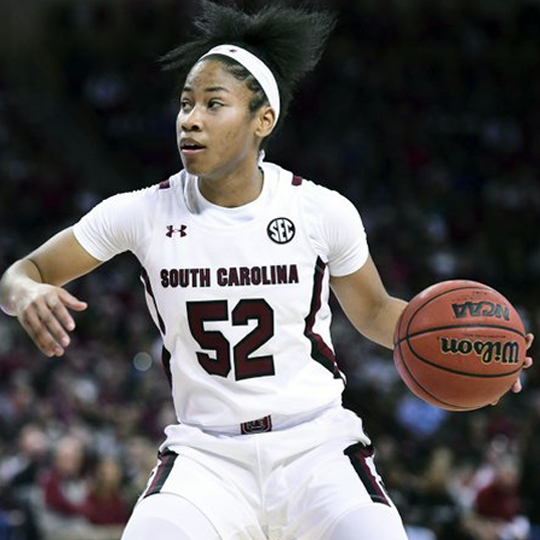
<point x="190" y="121"/>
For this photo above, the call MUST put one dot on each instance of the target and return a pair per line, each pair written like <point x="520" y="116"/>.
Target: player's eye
<point x="185" y="105"/>
<point x="214" y="104"/>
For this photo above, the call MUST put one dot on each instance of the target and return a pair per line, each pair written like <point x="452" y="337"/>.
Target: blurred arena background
<point x="425" y="113"/>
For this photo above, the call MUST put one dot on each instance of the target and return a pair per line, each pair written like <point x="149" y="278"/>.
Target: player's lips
<point x="190" y="146"/>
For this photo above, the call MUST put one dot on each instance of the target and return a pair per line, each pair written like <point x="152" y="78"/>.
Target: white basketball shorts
<point x="289" y="484"/>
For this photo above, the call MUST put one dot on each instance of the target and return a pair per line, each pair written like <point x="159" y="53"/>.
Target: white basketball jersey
<point x="240" y="295"/>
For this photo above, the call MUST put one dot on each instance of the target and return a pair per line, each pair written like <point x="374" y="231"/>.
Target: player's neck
<point x="232" y="190"/>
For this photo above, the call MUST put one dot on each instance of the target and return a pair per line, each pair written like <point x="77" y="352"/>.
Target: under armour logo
<point x="171" y="230"/>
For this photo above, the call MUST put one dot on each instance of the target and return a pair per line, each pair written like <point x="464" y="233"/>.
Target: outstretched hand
<point x="517" y="387"/>
<point x="43" y="313"/>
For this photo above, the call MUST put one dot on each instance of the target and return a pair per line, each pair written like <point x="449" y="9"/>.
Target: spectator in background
<point x="140" y="460"/>
<point x="431" y="498"/>
<point x="498" y="507"/>
<point x="19" y="475"/>
<point x="20" y="471"/>
<point x="438" y="89"/>
<point x="73" y="507"/>
<point x="104" y="503"/>
<point x="6" y="527"/>
<point x="65" y="487"/>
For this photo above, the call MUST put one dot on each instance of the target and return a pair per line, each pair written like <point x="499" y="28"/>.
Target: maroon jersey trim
<point x="165" y="354"/>
<point x="166" y="363"/>
<point x="358" y="455"/>
<point x="320" y="351"/>
<point x="146" y="280"/>
<point x="166" y="463"/>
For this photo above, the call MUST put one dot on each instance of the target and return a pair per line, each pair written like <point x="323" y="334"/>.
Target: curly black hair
<point x="289" y="40"/>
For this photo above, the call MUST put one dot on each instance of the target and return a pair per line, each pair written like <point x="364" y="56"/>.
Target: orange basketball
<point x="459" y="345"/>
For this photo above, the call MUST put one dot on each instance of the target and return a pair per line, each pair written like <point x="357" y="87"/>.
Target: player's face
<point x="217" y="135"/>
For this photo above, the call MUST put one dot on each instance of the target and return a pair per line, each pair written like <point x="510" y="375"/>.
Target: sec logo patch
<point x="281" y="230"/>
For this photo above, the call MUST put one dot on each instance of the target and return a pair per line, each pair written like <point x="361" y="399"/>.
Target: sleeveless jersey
<point x="241" y="301"/>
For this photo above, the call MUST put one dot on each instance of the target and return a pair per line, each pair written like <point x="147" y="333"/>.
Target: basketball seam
<point x="479" y="375"/>
<point x="468" y="287"/>
<point x="463" y="325"/>
<point x="404" y="364"/>
<point x="434" y="298"/>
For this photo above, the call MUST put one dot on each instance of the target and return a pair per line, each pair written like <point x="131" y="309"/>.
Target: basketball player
<point x="238" y="258"/>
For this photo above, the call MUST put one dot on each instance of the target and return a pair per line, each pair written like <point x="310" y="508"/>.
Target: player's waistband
<point x="271" y="422"/>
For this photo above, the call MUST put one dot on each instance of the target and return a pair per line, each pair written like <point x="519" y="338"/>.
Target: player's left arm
<point x="371" y="310"/>
<point x="374" y="313"/>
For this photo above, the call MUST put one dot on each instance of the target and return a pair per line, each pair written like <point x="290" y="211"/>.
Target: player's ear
<point x="266" y="118"/>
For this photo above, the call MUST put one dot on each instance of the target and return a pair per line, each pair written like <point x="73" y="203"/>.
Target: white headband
<point x="256" y="67"/>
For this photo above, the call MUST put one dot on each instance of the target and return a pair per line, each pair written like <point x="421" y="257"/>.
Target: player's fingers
<point x="39" y="334"/>
<point x="517" y="386"/>
<point x="70" y="301"/>
<point x="61" y="313"/>
<point x="54" y="328"/>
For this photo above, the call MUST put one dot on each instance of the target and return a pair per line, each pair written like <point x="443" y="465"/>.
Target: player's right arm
<point x="31" y="290"/>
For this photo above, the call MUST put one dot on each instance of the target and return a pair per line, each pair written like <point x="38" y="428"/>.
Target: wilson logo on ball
<point x="281" y="230"/>
<point x="488" y="351"/>
<point x="481" y="309"/>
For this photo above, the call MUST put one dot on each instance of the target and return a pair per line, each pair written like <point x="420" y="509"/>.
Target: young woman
<point x="238" y="259"/>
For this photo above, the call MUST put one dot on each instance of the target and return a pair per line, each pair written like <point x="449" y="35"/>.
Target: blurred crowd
<point x="424" y="117"/>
